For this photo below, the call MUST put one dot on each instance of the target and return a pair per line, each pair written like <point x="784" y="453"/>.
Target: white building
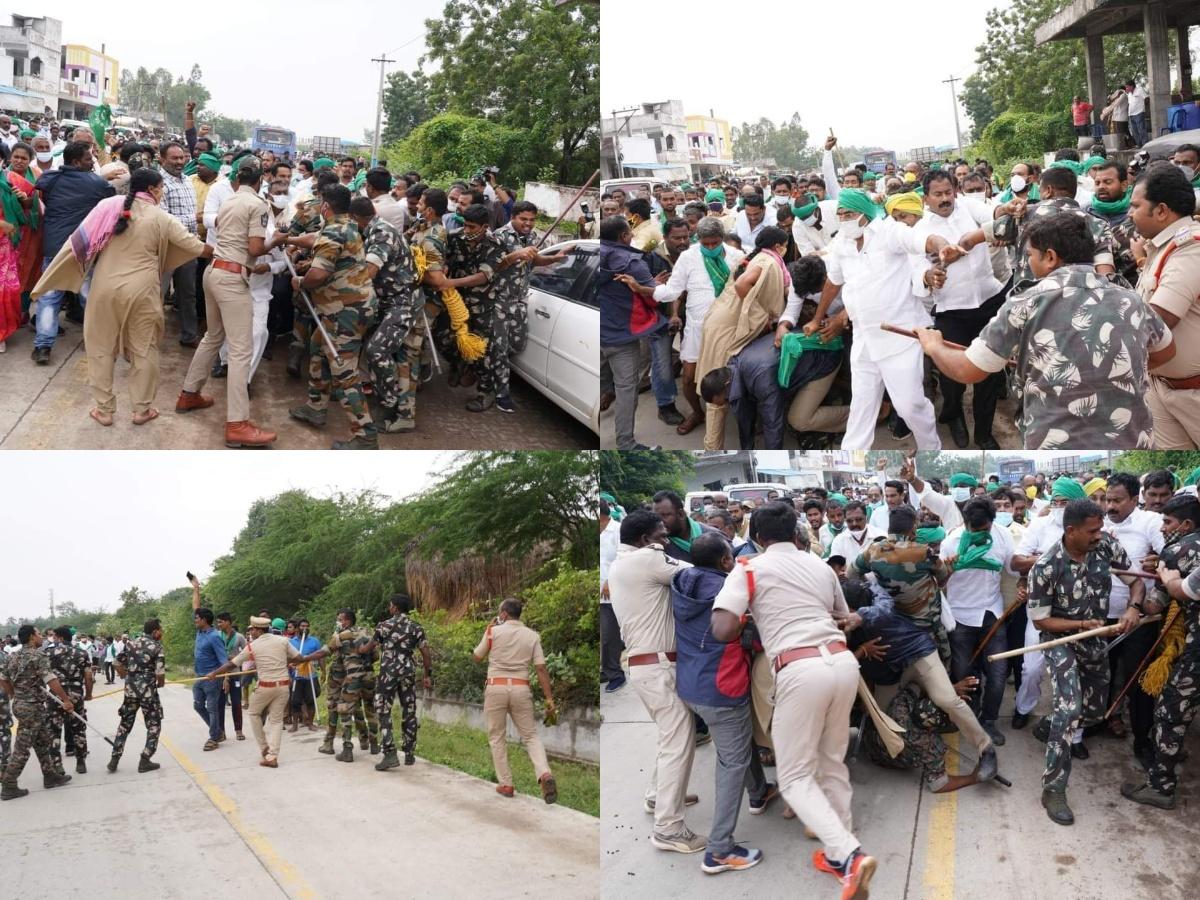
<point x="35" y="45"/>
<point x="651" y="139"/>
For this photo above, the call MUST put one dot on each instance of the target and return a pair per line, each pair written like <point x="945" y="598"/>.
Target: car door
<point x="549" y="288"/>
<point x="573" y="365"/>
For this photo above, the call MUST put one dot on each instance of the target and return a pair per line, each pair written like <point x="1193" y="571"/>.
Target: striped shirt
<point x="179" y="199"/>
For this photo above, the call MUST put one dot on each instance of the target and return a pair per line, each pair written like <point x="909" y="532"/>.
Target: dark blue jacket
<point x="707" y="671"/>
<point x="625" y="317"/>
<point x="906" y="640"/>
<point x="69" y="195"/>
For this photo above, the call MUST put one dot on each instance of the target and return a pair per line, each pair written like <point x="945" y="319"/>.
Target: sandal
<point x="211" y="745"/>
<point x="147" y="416"/>
<point x="102" y="417"/>
<point x="688" y="425"/>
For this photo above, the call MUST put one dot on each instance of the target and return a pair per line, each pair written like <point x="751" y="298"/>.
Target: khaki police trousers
<point x="229" y="309"/>
<point x="655" y="686"/>
<point x="499" y="702"/>
<point x="931" y="675"/>
<point x="1176" y="417"/>
<point x="269" y="703"/>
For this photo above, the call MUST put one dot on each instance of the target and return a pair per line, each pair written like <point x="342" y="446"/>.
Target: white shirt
<point x="969" y="281"/>
<point x="1140" y="533"/>
<point x="973" y="593"/>
<point x="811" y="240"/>
<point x="690" y="275"/>
<point x="879" y="518"/>
<point x="610" y="540"/>
<point x="877" y="284"/>
<point x="221" y="191"/>
<point x="745" y="233"/>
<point x="639" y="587"/>
<point x="1137" y="106"/>
<point x="826" y="536"/>
<point x="1042" y="534"/>
<point x="845" y="546"/>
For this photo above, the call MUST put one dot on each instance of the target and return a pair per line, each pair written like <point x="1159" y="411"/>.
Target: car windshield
<point x="572" y="278"/>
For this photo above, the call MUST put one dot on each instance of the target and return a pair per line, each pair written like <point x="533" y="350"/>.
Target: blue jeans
<point x="206" y="700"/>
<point x="1137" y="126"/>
<point x="48" y="307"/>
<point x="232" y="699"/>
<point x="661" y="379"/>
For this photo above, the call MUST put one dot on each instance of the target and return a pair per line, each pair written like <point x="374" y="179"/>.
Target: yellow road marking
<point x="940" y="849"/>
<point x="284" y="873"/>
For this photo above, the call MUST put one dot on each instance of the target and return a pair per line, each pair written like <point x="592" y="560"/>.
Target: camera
<point x="587" y="213"/>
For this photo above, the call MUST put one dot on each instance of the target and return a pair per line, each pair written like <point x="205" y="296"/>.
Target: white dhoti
<point x="900" y="374"/>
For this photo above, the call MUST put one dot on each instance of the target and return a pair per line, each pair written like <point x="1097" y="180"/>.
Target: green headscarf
<point x="993" y="486"/>
<point x="28" y="134"/>
<point x="278" y="623"/>
<point x="1113" y="207"/>
<point x="962" y="479"/>
<point x="716" y="267"/>
<point x="1068" y="164"/>
<point x="685" y="544"/>
<point x="1194" y="478"/>
<point x="840" y="499"/>
<point x="234" y="166"/>
<point x="323" y="163"/>
<point x="973" y="547"/>
<point x="1087" y="165"/>
<point x="714" y="195"/>
<point x="1066" y="488"/>
<point x="803" y="212"/>
<point x="357" y="183"/>
<point x="189" y="168"/>
<point x="792" y="348"/>
<point x="614" y="508"/>
<point x="931" y="535"/>
<point x="857" y="200"/>
<point x="13" y="212"/>
<point x="210" y="160"/>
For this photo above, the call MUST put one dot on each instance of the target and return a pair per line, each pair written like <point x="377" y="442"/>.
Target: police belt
<point x="511" y="682"/>
<point x="790" y="656"/>
<point x="229" y="266"/>
<point x="1180" y="384"/>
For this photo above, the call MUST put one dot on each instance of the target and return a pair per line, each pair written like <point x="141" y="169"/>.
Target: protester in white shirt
<point x="857" y="535"/>
<point x="753" y="218"/>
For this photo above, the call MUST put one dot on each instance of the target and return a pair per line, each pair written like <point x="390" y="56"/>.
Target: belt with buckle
<point x="790" y="656"/>
<point x="648" y="659"/>
<point x="228" y="266"/>
<point x="511" y="682"/>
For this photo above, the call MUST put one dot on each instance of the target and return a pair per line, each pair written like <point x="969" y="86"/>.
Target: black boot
<point x="363" y="743"/>
<point x="409" y="759"/>
<point x="80" y="766"/>
<point x="145" y="765"/>
<point x="12" y="792"/>
<point x="326" y="745"/>
<point x="1055" y="803"/>
<point x="958" y="431"/>
<point x="389" y="761"/>
<point x="112" y="763"/>
<point x="347" y="754"/>
<point x="374" y="745"/>
<point x="55" y="780"/>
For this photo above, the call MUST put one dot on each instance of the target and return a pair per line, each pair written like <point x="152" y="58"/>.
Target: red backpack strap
<point x="745" y="563"/>
<point x="1175" y="244"/>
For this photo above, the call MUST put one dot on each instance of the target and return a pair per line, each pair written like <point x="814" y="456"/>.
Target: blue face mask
<point x="1004" y="519"/>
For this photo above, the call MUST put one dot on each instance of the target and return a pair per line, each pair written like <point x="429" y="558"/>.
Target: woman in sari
<point x="748" y="307"/>
<point x="13" y="217"/>
<point x="123" y="246"/>
<point x="21" y="177"/>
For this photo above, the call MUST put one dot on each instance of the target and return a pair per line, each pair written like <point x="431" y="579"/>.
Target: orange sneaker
<point x="854" y="876"/>
<point x="504" y="790"/>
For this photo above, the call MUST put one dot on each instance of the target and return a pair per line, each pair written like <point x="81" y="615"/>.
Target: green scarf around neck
<point x="685" y="544"/>
<point x="810" y="207"/>
<point x="716" y="267"/>
<point x="14" y="213"/>
<point x="1033" y="196"/>
<point x="1113" y="207"/>
<point x="973" y="547"/>
<point x="931" y="535"/>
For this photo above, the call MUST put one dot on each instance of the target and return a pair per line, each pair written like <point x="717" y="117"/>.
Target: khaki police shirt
<point x="1177" y="291"/>
<point x="639" y="588"/>
<point x="510" y="647"/>
<point x="270" y="653"/>
<point x="241" y="217"/>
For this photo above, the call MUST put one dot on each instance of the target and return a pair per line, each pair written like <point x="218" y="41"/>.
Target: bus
<point x="278" y="140"/>
<point x="877" y="160"/>
<point x="1013" y="470"/>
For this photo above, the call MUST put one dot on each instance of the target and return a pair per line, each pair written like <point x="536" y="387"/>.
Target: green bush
<point x="454" y="143"/>
<point x="1015" y="136"/>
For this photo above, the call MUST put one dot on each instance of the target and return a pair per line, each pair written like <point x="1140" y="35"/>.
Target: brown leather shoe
<point x="247" y="434"/>
<point x="269" y="762"/>
<point x="188" y="401"/>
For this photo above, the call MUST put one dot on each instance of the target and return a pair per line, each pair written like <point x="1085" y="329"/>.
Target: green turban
<point x="809" y="207"/>
<point x="1194" y="478"/>
<point x="1068" y="164"/>
<point x="190" y="167"/>
<point x="323" y="163"/>
<point x="962" y="479"/>
<point x="210" y="161"/>
<point x="28" y="134"/>
<point x="1088" y="164"/>
<point x="840" y="499"/>
<point x="614" y="508"/>
<point x="993" y="486"/>
<point x="278" y="623"/>
<point x="714" y="195"/>
<point x="234" y="166"/>
<point x="858" y="201"/>
<point x="1066" y="488"/>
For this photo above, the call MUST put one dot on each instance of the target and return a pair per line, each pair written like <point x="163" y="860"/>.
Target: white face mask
<point x="978" y="194"/>
<point x="782" y="200"/>
<point x="811" y="220"/>
<point x="1057" y="515"/>
<point x="45" y="157"/>
<point x="851" y="229"/>
<point x="1188" y="172"/>
<point x="961" y="494"/>
<point x="858" y="535"/>
<point x="279" y="201"/>
<point x="1004" y="519"/>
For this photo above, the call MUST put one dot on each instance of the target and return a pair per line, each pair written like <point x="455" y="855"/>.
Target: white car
<point x="561" y="358"/>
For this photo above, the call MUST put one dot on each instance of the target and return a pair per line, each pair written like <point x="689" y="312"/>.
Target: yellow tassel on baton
<point x="470" y="346"/>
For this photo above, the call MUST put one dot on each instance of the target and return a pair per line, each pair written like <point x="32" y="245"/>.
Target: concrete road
<point x="649" y="430"/>
<point x="219" y="825"/>
<point x="46" y="407"/>
<point x="980" y="843"/>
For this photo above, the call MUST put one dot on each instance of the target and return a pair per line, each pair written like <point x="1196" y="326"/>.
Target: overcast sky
<point x="303" y="66"/>
<point x="881" y="86"/>
<point x="90" y="525"/>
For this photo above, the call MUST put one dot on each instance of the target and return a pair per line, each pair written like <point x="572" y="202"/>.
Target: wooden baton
<point x="1069" y="639"/>
<point x="1136" y="573"/>
<point x="992" y="631"/>
<point x="910" y="333"/>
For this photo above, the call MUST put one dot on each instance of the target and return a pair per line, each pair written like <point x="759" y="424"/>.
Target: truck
<point x="323" y="145"/>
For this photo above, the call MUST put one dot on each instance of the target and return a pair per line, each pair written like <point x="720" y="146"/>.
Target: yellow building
<point x="710" y="145"/>
<point x="87" y="79"/>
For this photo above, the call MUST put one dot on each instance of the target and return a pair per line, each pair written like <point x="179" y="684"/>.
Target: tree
<point x="452" y="145"/>
<point x="148" y="94"/>
<point x="786" y="143"/>
<point x="405" y="104"/>
<point x="1139" y="461"/>
<point x="978" y="104"/>
<point x="545" y="79"/>
<point x="228" y="128"/>
<point x="634" y="477"/>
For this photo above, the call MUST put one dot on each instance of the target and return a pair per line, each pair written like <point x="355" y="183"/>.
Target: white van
<point x="756" y="491"/>
<point x="693" y="501"/>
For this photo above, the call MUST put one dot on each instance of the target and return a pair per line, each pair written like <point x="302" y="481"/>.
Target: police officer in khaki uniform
<point x="1161" y="208"/>
<point x="241" y="237"/>
<point x="509" y="647"/>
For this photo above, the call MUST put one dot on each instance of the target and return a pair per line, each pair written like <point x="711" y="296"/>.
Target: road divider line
<point x="940" y="844"/>
<point x="286" y="875"/>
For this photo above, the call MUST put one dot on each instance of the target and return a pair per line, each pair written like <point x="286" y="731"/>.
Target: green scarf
<point x="857" y="200"/>
<point x="716" y="267"/>
<point x="1069" y="164"/>
<point x="1033" y="196"/>
<point x="1196" y="182"/>
<point x="614" y="509"/>
<point x="685" y="544"/>
<point x="14" y="213"/>
<point x="792" y="348"/>
<point x="1087" y="164"/>
<point x="835" y="530"/>
<point x="1113" y="207"/>
<point x="803" y="212"/>
<point x="190" y="168"/>
<point x="1066" y="488"/>
<point x="972" y="551"/>
<point x="931" y="536"/>
<point x="100" y="121"/>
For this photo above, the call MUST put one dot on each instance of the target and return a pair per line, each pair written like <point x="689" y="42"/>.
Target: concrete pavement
<point x="218" y="825"/>
<point x="980" y="843"/>
<point x="46" y="407"/>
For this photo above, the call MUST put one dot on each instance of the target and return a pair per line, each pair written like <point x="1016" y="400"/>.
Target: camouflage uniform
<point x="434" y="241"/>
<point x="143" y="662"/>
<point x="29" y="671"/>
<point x="1008" y="230"/>
<point x="357" y="684"/>
<point x="395" y="346"/>
<point x="333" y="699"/>
<point x="68" y="663"/>
<point x="913" y="574"/>
<point x="1176" y="706"/>
<point x="6" y="723"/>
<point x="1062" y="588"/>
<point x="346" y="305"/>
<point x="487" y="303"/>
<point x="923" y="723"/>
<point x="1121" y="227"/>
<point x="1082" y="347"/>
<point x="400" y="637"/>
<point x="306" y="220"/>
<point x="518" y="274"/>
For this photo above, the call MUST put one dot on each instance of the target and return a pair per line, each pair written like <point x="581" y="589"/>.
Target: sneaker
<point x="757" y="809"/>
<point x="505" y="405"/>
<point x="1145" y="793"/>
<point x="682" y="841"/>
<point x="615" y="684"/>
<point x="41" y="356"/>
<point x="504" y="790"/>
<point x="994" y="733"/>
<point x="737" y="858"/>
<point x="689" y="800"/>
<point x="702" y="738"/>
<point x="854" y="874"/>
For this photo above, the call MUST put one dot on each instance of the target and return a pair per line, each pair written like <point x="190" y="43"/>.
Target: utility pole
<point x="51" y="604"/>
<point x="954" y="100"/>
<point x="382" y="60"/>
